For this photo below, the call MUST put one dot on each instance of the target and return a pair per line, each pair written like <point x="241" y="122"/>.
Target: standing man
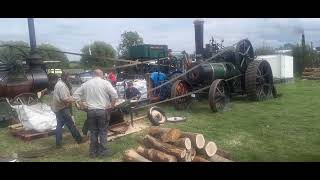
<point x="61" y="102"/>
<point x="100" y="97"/>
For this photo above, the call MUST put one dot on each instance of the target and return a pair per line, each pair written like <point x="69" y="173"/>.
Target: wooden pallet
<point x="28" y="135"/>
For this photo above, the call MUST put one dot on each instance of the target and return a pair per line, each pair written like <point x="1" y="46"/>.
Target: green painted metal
<point x="148" y="51"/>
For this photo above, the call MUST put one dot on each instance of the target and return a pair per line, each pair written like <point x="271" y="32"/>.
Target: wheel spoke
<point x="259" y="72"/>
<point x="219" y="98"/>
<point x="243" y="60"/>
<point x="247" y="50"/>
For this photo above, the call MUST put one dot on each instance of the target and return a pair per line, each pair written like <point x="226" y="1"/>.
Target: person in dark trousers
<point x="132" y="92"/>
<point x="100" y="97"/>
<point x="61" y="107"/>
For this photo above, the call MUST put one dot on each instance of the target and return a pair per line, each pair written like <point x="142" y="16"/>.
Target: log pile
<point x="173" y="145"/>
<point x="311" y="73"/>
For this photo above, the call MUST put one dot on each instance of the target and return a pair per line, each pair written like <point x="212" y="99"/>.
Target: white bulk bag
<point x="37" y="117"/>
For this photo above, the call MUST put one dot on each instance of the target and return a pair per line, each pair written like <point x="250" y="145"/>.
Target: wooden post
<point x="149" y="84"/>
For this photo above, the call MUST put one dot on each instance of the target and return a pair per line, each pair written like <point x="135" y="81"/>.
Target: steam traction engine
<point x="233" y="72"/>
<point x="20" y="81"/>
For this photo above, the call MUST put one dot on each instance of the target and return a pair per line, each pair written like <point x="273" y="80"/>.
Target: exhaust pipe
<point x="35" y="59"/>
<point x="198" y="30"/>
<point x="32" y="34"/>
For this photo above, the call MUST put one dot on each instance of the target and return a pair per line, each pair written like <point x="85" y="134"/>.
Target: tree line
<point x="48" y="52"/>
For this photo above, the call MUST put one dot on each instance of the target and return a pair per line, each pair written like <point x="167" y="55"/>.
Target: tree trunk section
<point x="199" y="159"/>
<point x="152" y="142"/>
<point x="197" y="140"/>
<point x="183" y="143"/>
<point x="155" y="155"/>
<point x="217" y="158"/>
<point x="224" y="154"/>
<point x="165" y="134"/>
<point x="209" y="149"/>
<point x="191" y="154"/>
<point x="132" y="156"/>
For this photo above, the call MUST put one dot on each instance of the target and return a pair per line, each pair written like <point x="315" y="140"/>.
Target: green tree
<point x="304" y="56"/>
<point x="128" y="39"/>
<point x="49" y="52"/>
<point x="17" y="52"/>
<point x="20" y="51"/>
<point x="98" y="49"/>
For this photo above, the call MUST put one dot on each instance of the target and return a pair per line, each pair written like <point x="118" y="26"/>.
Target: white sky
<point x="71" y="34"/>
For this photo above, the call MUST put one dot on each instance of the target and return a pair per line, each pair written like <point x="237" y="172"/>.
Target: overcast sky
<point x="71" y="34"/>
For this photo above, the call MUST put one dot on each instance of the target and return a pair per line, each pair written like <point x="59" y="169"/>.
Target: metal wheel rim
<point x="218" y="96"/>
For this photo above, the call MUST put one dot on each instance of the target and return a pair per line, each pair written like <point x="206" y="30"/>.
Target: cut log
<point x="183" y="143"/>
<point x="132" y="156"/>
<point x="209" y="149"/>
<point x="311" y="69"/>
<point x="199" y="159"/>
<point x="151" y="142"/>
<point x="165" y="134"/>
<point x="197" y="140"/>
<point x="224" y="154"/>
<point x="217" y="158"/>
<point x="155" y="155"/>
<point x="308" y="73"/>
<point x="191" y="154"/>
<point x="310" y="78"/>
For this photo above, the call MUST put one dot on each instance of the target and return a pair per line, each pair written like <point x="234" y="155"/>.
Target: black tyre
<point x="259" y="80"/>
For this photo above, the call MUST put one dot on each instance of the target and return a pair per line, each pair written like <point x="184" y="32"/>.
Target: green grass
<point x="282" y="129"/>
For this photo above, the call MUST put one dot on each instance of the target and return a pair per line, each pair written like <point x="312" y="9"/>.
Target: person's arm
<point x="64" y="95"/>
<point x="78" y="94"/>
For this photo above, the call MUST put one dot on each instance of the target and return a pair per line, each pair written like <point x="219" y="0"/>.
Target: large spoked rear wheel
<point x="244" y="54"/>
<point x="259" y="80"/>
<point x="219" y="95"/>
<point x="180" y="88"/>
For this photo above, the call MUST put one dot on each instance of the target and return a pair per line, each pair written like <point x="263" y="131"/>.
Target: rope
<point x="85" y="55"/>
<point x="171" y="99"/>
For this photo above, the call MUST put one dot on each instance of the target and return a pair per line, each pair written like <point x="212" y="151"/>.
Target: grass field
<point x="282" y="129"/>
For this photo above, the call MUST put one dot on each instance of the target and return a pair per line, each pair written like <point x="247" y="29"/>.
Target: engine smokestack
<point x="198" y="30"/>
<point x="34" y="60"/>
<point x="32" y="34"/>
